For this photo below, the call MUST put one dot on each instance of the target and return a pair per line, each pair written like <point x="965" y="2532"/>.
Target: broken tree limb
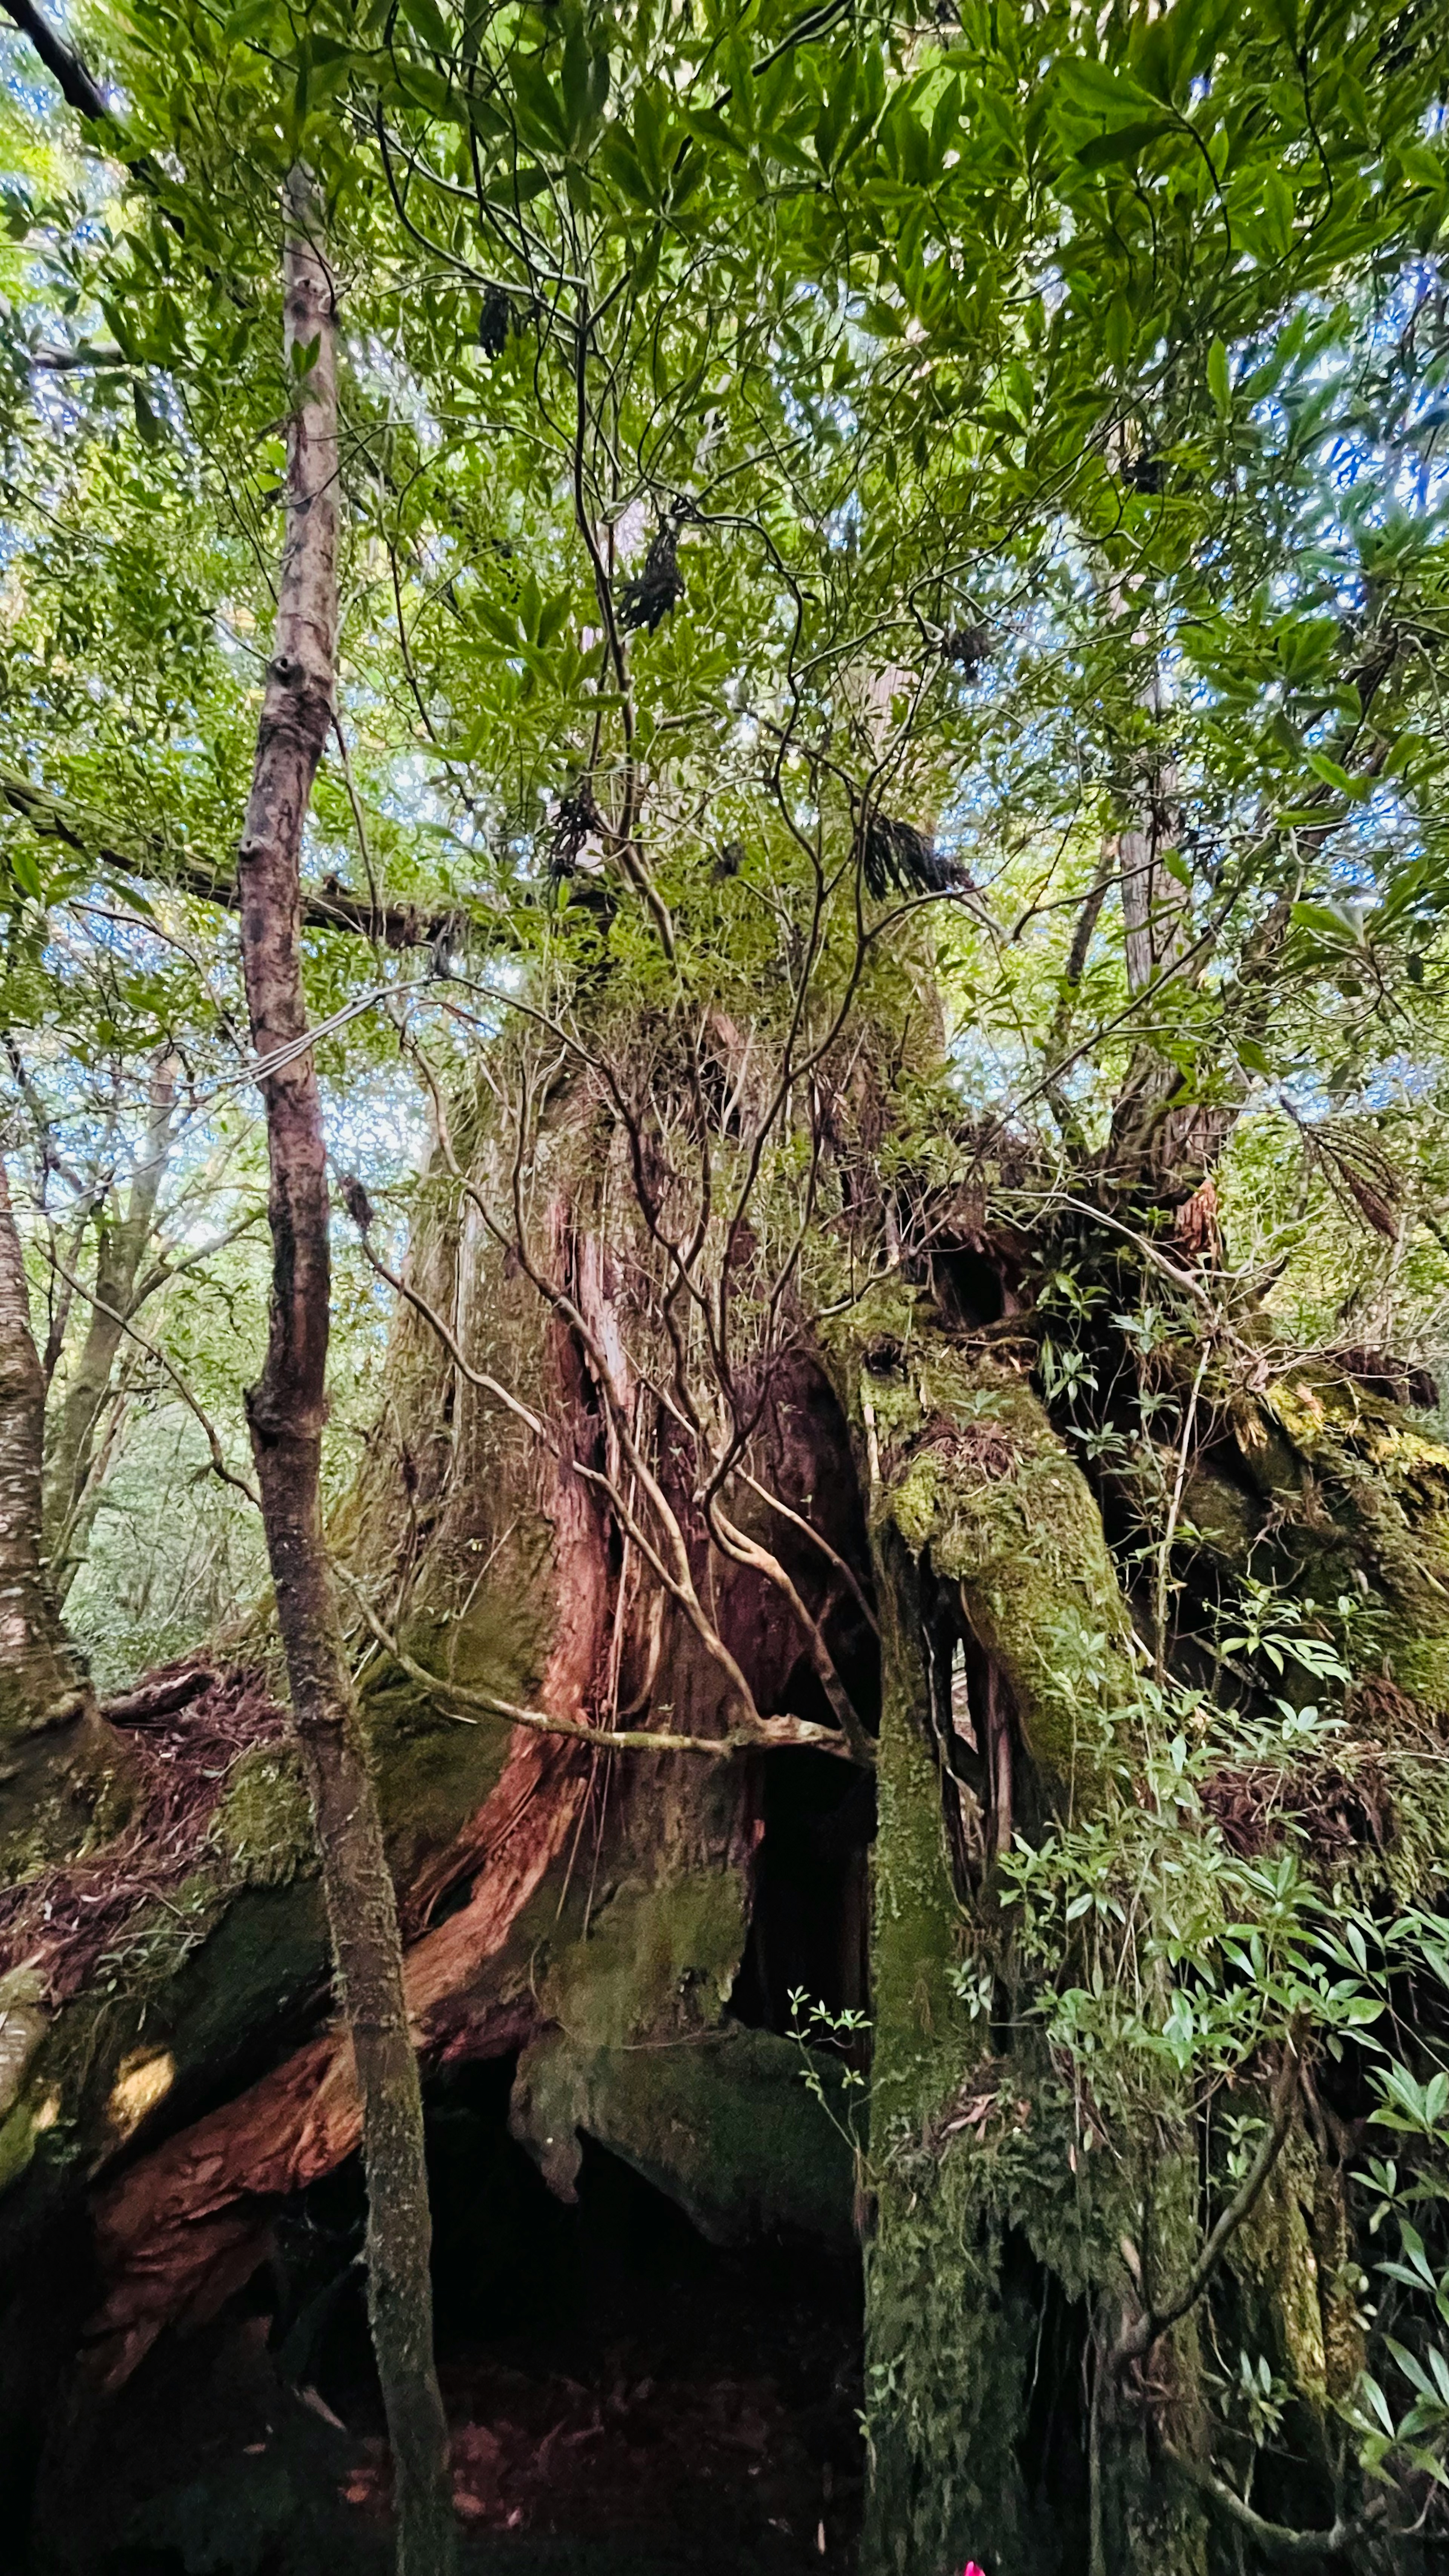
<point x="769" y="1733"/>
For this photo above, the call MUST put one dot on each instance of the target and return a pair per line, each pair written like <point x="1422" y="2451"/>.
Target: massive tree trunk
<point x="580" y="1826"/>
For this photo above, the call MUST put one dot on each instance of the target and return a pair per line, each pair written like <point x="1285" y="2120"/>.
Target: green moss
<point x="24" y="2026"/>
<point x="63" y="1792"/>
<point x="725" y="2123"/>
<point x="1339" y="2278"/>
<point x="17" y="2142"/>
<point x="943" y="2356"/>
<point x="1366" y="1493"/>
<point x="990" y="2211"/>
<point x="433" y="1767"/>
<point x="1003" y="1511"/>
<point x="1274" y="2258"/>
<point x="657" y="1960"/>
<point x="923" y="2034"/>
<point x="1415" y="1863"/>
<point x="266" y="1954"/>
<point x="200" y="1976"/>
<point x="262" y="1828"/>
<point x="1218" y="1516"/>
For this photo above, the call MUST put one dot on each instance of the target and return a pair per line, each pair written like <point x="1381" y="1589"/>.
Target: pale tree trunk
<point x="70" y="1486"/>
<point x="286" y="1410"/>
<point x="39" y="1684"/>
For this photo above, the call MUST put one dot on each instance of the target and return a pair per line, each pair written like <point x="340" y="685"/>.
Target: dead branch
<point x="1277" y="2539"/>
<point x="1137" y="2339"/>
<point x="766" y="1734"/>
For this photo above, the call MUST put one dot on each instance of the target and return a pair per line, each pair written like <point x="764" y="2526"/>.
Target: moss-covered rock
<point x="725" y="2123"/>
<point x="262" y="1828"/>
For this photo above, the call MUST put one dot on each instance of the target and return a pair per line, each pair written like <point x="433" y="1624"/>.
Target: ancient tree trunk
<point x="996" y="2244"/>
<point x="69" y="1499"/>
<point x="286" y="1410"/>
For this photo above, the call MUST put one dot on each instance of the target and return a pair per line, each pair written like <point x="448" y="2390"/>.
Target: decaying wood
<point x="184" y="2227"/>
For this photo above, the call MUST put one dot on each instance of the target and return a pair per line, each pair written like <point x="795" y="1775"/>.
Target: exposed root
<point x="181" y="2229"/>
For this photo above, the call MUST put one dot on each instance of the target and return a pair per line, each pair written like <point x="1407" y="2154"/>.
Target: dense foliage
<point x="898" y="564"/>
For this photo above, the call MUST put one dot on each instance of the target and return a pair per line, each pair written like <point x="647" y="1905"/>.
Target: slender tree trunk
<point x="39" y="1683"/>
<point x="287" y="1407"/>
<point x="120" y="1250"/>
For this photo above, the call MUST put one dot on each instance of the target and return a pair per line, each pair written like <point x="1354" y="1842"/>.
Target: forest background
<point x="892" y="597"/>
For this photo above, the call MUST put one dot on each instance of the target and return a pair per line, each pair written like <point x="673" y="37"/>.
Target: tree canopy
<point x="893" y="575"/>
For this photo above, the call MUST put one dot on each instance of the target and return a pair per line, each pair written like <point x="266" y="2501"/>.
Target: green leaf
<point x="1092" y="89"/>
<point x="574" y="85"/>
<point x="1122" y="142"/>
<point x="252" y="19"/>
<point x="426" y="20"/>
<point x="1331" y="773"/>
<point x="152" y="429"/>
<point x="540" y="102"/>
<point x="25" y="871"/>
<point x="1220" y="383"/>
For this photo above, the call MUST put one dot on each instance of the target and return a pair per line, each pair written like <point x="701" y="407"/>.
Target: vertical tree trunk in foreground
<point x="287" y="1407"/>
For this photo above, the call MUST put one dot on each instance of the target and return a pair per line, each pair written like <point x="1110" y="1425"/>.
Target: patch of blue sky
<point x="1399" y="1082"/>
<point x="379" y="368"/>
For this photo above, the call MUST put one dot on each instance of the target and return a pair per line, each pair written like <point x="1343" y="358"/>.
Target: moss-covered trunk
<point x="611" y="1918"/>
<point x="994" y="2259"/>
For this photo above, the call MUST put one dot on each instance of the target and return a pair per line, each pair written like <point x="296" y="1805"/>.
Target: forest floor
<point x="625" y="2399"/>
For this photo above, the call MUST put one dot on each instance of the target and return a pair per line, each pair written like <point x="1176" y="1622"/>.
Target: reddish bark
<point x="183" y="2227"/>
